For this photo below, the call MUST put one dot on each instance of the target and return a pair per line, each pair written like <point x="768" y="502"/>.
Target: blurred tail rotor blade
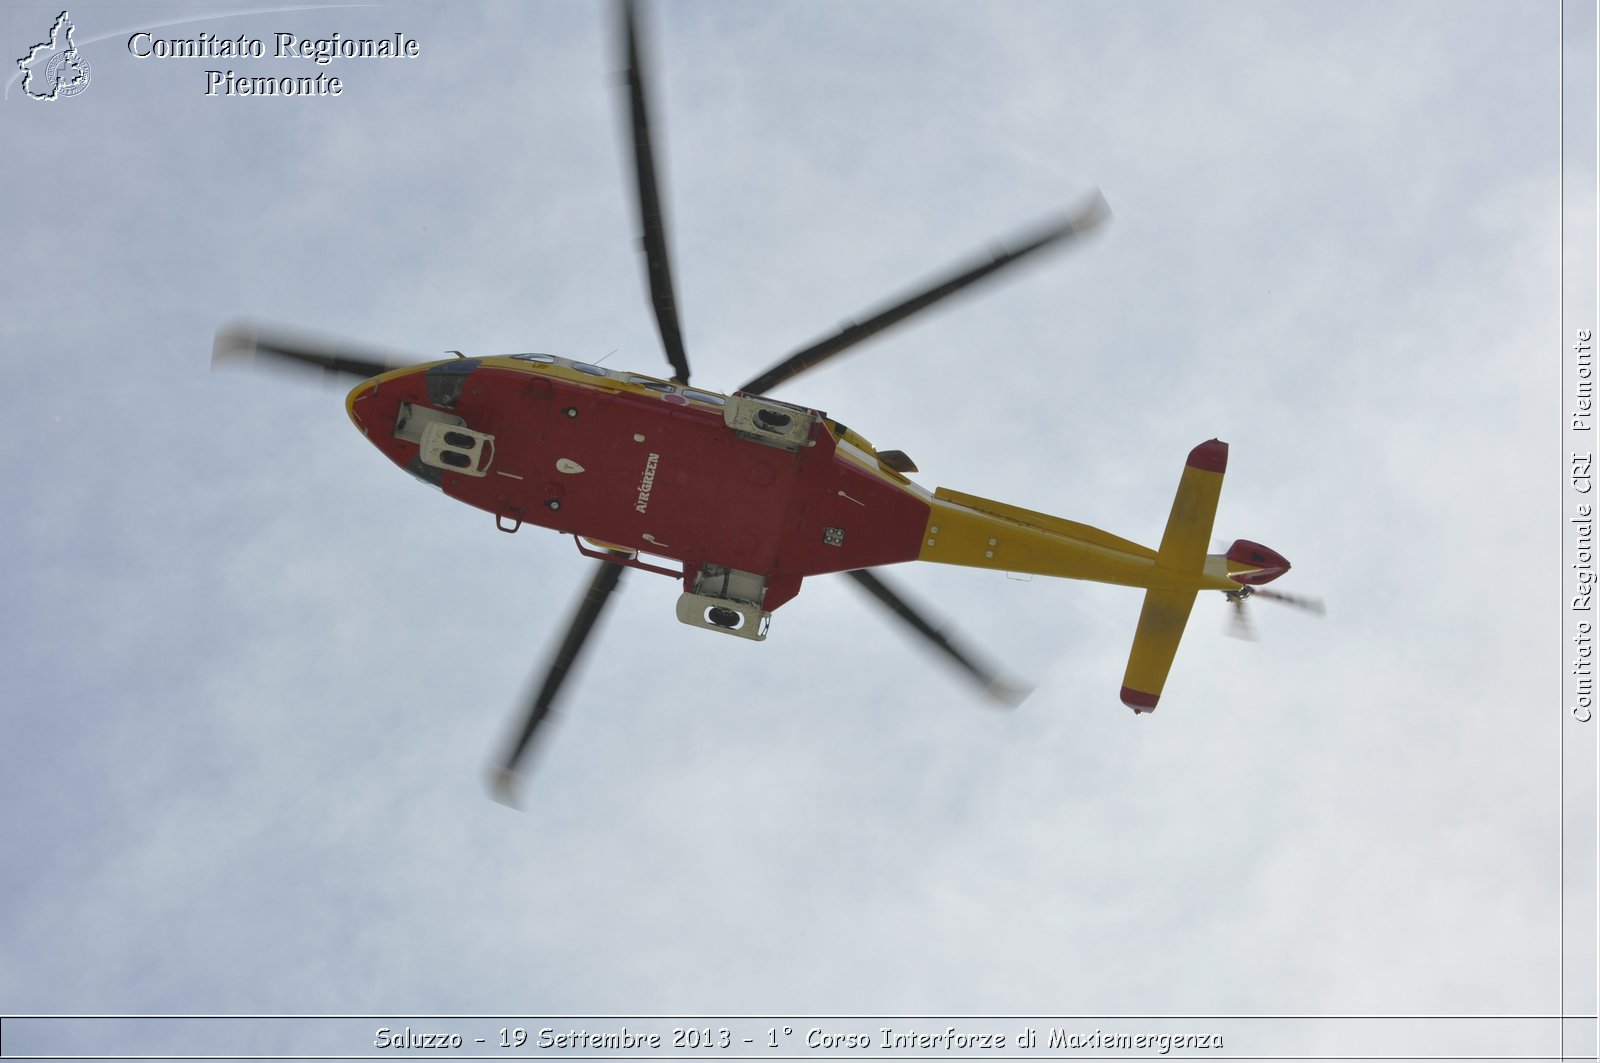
<point x="1239" y="627"/>
<point x="252" y="345"/>
<point x="1298" y="601"/>
<point x="606" y="577"/>
<point x="1079" y="223"/>
<point x="651" y="221"/>
<point x="998" y="689"/>
<point x="1239" y="623"/>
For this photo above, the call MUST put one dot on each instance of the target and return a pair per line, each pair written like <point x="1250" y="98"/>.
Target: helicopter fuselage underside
<point x="637" y="464"/>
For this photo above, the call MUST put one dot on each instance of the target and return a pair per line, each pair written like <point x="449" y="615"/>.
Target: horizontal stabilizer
<point x="1194" y="508"/>
<point x="1155" y="643"/>
<point x="1183" y="550"/>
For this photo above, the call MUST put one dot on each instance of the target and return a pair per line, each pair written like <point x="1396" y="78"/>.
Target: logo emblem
<point x="55" y="68"/>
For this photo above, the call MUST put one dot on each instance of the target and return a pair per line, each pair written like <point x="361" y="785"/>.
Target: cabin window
<point x="592" y="370"/>
<point x="543" y="359"/>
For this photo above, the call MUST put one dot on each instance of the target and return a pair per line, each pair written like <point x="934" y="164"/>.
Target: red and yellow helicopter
<point x="742" y="496"/>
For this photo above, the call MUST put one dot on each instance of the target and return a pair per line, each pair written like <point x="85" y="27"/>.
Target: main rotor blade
<point x="651" y="221"/>
<point x="244" y="344"/>
<point x="993" y="685"/>
<point x="1076" y="224"/>
<point x="606" y="578"/>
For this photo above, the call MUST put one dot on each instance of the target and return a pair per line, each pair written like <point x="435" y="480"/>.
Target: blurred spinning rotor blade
<point x="651" y="222"/>
<point x="1239" y="621"/>
<point x="1079" y="223"/>
<point x="1006" y="693"/>
<point x="1299" y="601"/>
<point x="1240" y="627"/>
<point x="606" y="578"/>
<point x="252" y="345"/>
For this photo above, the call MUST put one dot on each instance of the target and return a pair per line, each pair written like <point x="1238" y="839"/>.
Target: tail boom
<point x="981" y="533"/>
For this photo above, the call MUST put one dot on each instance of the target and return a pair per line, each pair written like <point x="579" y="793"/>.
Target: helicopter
<point x="741" y="496"/>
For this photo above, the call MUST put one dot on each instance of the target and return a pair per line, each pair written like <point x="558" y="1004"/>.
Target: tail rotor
<point x="1239" y="625"/>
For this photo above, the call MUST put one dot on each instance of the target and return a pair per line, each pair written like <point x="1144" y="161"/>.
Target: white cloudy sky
<point x="253" y="673"/>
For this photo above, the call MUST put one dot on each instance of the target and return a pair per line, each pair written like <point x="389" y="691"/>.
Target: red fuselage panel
<point x="651" y="471"/>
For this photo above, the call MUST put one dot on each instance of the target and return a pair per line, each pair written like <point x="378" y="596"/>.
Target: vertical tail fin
<point x="1183" y="549"/>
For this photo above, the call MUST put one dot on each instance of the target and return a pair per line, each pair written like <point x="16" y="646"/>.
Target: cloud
<point x="256" y="672"/>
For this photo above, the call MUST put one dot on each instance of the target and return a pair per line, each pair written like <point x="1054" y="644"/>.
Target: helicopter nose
<point x="369" y="410"/>
<point x="364" y="409"/>
<point x="1255" y="564"/>
<point x="355" y="404"/>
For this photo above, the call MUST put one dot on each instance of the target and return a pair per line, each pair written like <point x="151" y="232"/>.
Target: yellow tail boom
<point x="968" y="530"/>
